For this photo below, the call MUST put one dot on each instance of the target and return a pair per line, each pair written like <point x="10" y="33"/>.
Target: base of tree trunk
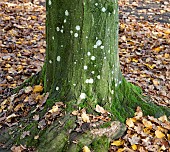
<point x="61" y="135"/>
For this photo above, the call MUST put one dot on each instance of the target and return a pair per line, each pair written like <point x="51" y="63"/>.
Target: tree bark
<point x="82" y="50"/>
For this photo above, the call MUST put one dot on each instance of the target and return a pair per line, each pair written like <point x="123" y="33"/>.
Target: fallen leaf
<point x="86" y="149"/>
<point x="159" y="134"/>
<point x="99" y="109"/>
<point x="147" y="123"/>
<point x="129" y="122"/>
<point x="85" y="117"/>
<point x="134" y="147"/>
<point x="38" y="88"/>
<point x="54" y="109"/>
<point x="117" y="143"/>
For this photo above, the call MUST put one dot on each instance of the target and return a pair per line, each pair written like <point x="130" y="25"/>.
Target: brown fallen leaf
<point x="38" y="88"/>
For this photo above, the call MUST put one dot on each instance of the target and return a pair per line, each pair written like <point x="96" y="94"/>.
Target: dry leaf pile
<point x="22" y="43"/>
<point x="144" y="133"/>
<point x="145" y="47"/>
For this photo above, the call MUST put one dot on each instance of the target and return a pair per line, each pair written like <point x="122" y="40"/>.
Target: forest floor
<point x="144" y="45"/>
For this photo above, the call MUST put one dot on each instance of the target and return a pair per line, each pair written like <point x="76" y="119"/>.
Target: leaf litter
<point x="144" y="56"/>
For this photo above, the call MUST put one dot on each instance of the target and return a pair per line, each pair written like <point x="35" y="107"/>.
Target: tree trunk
<point x="82" y="69"/>
<point x="82" y="60"/>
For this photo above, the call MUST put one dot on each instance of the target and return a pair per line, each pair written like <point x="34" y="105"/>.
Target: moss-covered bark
<point x="82" y="50"/>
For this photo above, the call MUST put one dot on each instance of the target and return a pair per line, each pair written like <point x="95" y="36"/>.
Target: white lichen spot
<point x="82" y="96"/>
<point x="50" y="61"/>
<point x="65" y="21"/>
<point x="58" y="58"/>
<point x="53" y="37"/>
<point x="95" y="46"/>
<point x="88" y="53"/>
<point x="57" y="28"/>
<point x="89" y="80"/>
<point x="98" y="77"/>
<point x="66" y="13"/>
<point x="87" y="37"/>
<point x="103" y="9"/>
<point x="78" y="28"/>
<point x="71" y="32"/>
<point x="96" y="4"/>
<point x="61" y="45"/>
<point x="76" y="35"/>
<point x="92" y="72"/>
<point x="105" y="57"/>
<point x="61" y="31"/>
<point x="85" y="67"/>
<point x="102" y="47"/>
<point x="49" y="2"/>
<point x="93" y="58"/>
<point x="99" y="42"/>
<point x="57" y="88"/>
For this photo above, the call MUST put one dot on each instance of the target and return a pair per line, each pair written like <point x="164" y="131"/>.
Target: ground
<point x="144" y="46"/>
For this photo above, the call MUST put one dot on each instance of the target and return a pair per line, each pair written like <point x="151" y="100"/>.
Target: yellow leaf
<point x="166" y="55"/>
<point x="123" y="38"/>
<point x="163" y="118"/>
<point x="38" y="88"/>
<point x="34" y="17"/>
<point x="117" y="143"/>
<point x="85" y="117"/>
<point x="42" y="50"/>
<point x="134" y="147"/>
<point x="147" y="123"/>
<point x="135" y="60"/>
<point x="121" y="150"/>
<point x="54" y="109"/>
<point x="159" y="134"/>
<point x="146" y="130"/>
<point x="157" y="49"/>
<point x="155" y="82"/>
<point x="122" y="27"/>
<point x="19" y="106"/>
<point x="167" y="31"/>
<point x="129" y="122"/>
<point x="86" y="149"/>
<point x="39" y="97"/>
<point x="75" y="113"/>
<point x="168" y="136"/>
<point x="19" y="42"/>
<point x="150" y="66"/>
